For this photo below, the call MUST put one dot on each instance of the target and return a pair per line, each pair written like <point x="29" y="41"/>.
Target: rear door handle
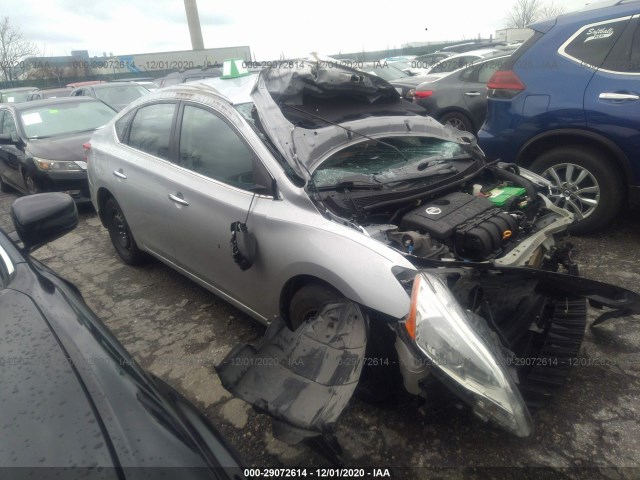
<point x="472" y="94"/>
<point x="618" y="96"/>
<point x="179" y="200"/>
<point x="119" y="174"/>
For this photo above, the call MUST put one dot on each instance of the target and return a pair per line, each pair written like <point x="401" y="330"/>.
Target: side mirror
<point x="8" y="139"/>
<point x="42" y="218"/>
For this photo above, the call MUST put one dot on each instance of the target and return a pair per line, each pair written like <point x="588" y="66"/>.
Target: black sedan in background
<point x="41" y="144"/>
<point x="71" y="395"/>
<point x="115" y="94"/>
<point x="459" y="98"/>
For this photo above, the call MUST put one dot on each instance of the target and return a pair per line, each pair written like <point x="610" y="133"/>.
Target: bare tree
<point x="13" y="50"/>
<point x="551" y="10"/>
<point x="525" y="12"/>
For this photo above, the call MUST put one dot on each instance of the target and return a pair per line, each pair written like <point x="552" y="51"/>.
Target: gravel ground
<point x="179" y="331"/>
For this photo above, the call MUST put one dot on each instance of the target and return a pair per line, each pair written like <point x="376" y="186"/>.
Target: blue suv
<point x="567" y="105"/>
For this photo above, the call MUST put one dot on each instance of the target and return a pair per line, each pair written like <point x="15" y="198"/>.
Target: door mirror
<point x="42" y="218"/>
<point x="8" y="139"/>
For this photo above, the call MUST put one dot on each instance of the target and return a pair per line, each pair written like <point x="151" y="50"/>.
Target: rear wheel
<point x="120" y="234"/>
<point x="585" y="182"/>
<point x="379" y="379"/>
<point x="457" y="120"/>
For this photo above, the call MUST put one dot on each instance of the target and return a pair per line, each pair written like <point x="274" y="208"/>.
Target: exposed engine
<point x="460" y="225"/>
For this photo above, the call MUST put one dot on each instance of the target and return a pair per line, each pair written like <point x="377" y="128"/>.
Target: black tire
<point x="547" y="355"/>
<point x="598" y="194"/>
<point x="4" y="187"/>
<point x="457" y="120"/>
<point x="379" y="380"/>
<point x="31" y="185"/>
<point x="120" y="234"/>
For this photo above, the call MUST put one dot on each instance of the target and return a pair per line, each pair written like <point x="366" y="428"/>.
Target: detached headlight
<point x="460" y="346"/>
<point x="58" y="165"/>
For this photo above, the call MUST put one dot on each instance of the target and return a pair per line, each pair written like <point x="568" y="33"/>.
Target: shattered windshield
<point x="398" y="158"/>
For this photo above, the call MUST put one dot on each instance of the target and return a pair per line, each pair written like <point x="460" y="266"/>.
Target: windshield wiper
<point x="349" y="185"/>
<point x="347" y="129"/>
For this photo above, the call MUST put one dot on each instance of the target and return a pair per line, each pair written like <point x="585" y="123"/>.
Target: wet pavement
<point x="179" y="331"/>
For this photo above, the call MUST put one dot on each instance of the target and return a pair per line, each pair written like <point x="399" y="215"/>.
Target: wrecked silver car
<point x="380" y="246"/>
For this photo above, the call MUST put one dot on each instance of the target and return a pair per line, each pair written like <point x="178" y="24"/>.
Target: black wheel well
<point x="292" y="286"/>
<point x="537" y="147"/>
<point x="103" y="196"/>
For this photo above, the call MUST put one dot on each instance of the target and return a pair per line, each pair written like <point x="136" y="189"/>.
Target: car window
<point x="592" y="43"/>
<point x="151" y="129"/>
<point x="62" y="118"/>
<point x="9" y="124"/>
<point x="625" y="56"/>
<point x="122" y="124"/>
<point x="210" y="147"/>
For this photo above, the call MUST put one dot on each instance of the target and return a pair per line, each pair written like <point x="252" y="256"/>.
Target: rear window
<point x="592" y="43"/>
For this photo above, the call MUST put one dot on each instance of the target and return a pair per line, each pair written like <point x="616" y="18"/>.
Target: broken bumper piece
<point x="303" y="379"/>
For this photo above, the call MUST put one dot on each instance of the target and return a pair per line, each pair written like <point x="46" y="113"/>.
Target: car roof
<point x="50" y="102"/>
<point x="98" y="86"/>
<point x="18" y="89"/>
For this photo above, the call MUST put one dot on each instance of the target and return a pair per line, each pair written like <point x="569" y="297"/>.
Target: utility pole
<point x="194" y="24"/>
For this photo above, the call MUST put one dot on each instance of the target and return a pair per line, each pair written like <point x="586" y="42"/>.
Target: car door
<point x="218" y="183"/>
<point x="612" y="97"/>
<point x="473" y="88"/>
<point x="142" y="175"/>
<point x="12" y="155"/>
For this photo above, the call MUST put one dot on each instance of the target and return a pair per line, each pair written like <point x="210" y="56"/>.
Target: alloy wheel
<point x="574" y="188"/>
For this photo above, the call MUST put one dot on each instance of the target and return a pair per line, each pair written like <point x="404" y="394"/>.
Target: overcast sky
<point x="269" y="28"/>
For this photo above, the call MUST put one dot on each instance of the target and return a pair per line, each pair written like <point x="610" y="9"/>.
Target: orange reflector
<point x="506" y="234"/>
<point x="410" y="324"/>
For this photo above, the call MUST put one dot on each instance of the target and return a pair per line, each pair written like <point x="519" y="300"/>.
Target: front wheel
<point x="585" y="183"/>
<point x="30" y="183"/>
<point x="380" y="375"/>
<point x="120" y="234"/>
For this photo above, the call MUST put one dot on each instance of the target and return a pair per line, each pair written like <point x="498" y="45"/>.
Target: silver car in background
<point x="317" y="200"/>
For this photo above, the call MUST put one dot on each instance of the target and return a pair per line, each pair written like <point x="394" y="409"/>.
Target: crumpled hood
<point x="366" y="105"/>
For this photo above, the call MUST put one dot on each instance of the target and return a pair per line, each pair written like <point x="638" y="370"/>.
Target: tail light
<point x="86" y="147"/>
<point x="423" y="93"/>
<point x="505" y="84"/>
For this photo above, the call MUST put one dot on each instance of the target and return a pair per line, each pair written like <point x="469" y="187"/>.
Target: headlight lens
<point x="411" y="93"/>
<point x="460" y="346"/>
<point x="58" y="165"/>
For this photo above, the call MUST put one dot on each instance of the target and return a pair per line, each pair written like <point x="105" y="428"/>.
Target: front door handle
<point x="472" y="94"/>
<point x="179" y="200"/>
<point x="119" y="174"/>
<point x="618" y="96"/>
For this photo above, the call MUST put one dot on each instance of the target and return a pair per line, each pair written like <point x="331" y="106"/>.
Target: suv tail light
<point x="86" y="147"/>
<point x="504" y="84"/>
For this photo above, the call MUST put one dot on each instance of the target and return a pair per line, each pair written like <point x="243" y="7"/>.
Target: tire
<point x="377" y="383"/>
<point x="4" y="188"/>
<point x="585" y="183"/>
<point x="457" y="120"/>
<point x="547" y="355"/>
<point x="121" y="236"/>
<point x="30" y="184"/>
